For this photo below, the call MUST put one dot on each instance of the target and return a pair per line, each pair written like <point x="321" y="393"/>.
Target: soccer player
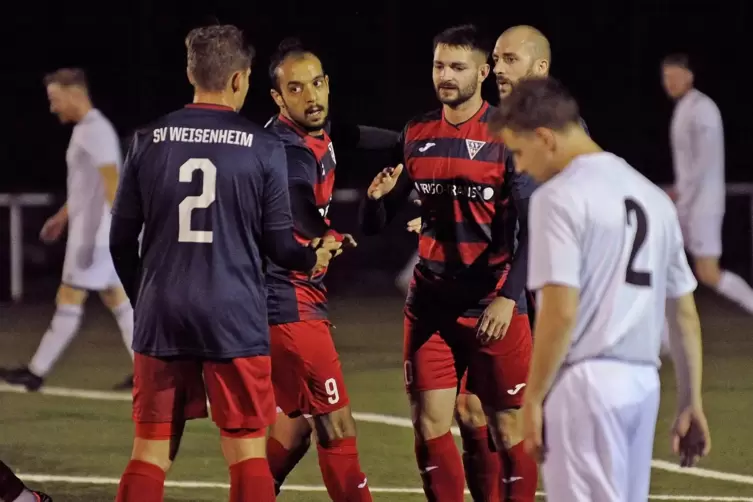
<point x="697" y="138"/>
<point x="606" y="259"/>
<point x="466" y="307"/>
<point x="13" y="489"/>
<point x="519" y="52"/>
<point x="306" y="369"/>
<point x="210" y="189"/>
<point x="93" y="160"/>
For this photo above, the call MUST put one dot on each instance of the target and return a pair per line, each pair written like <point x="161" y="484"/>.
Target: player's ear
<point x="190" y="77"/>
<point x="483" y="71"/>
<point x="235" y="81"/>
<point x="277" y="98"/>
<point x="542" y="67"/>
<point x="546" y="136"/>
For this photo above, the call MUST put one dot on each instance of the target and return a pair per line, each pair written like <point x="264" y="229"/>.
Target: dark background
<point x="378" y="56"/>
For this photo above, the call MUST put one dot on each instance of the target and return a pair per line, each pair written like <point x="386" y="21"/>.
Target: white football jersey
<point x="94" y="143"/>
<point x="697" y="139"/>
<point x="603" y="228"/>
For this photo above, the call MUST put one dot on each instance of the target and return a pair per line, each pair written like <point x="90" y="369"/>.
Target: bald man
<point x="520" y="52"/>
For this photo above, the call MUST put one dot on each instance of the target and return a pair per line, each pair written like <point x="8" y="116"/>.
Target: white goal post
<point x="18" y="201"/>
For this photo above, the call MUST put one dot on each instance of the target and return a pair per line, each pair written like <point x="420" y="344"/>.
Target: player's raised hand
<point x="691" y="439"/>
<point x="493" y="323"/>
<point x="384" y="182"/>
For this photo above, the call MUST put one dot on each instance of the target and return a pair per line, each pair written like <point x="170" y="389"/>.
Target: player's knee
<point x="469" y="412"/>
<point x="70" y="296"/>
<point x="433" y="413"/>
<point x="153" y="451"/>
<point x="242" y="444"/>
<point x="338" y="424"/>
<point x="507" y="428"/>
<point x="113" y="297"/>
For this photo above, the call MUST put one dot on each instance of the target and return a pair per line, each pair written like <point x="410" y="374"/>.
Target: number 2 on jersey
<point x="632" y="276"/>
<point x="202" y="201"/>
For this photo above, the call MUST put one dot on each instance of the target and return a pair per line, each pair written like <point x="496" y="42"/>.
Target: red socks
<point x="341" y="471"/>
<point x="282" y="461"/>
<point x="482" y="465"/>
<point x="251" y="481"/>
<point x="441" y="469"/>
<point x="141" y="482"/>
<point x="521" y="475"/>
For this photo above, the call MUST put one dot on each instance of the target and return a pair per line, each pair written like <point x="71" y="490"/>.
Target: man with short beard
<point x="306" y="371"/>
<point x="466" y="305"/>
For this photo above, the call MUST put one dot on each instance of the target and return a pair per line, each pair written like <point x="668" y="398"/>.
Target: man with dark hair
<point x="306" y="369"/>
<point x="210" y="190"/>
<point x="466" y="307"/>
<point x="606" y="259"/>
<point x="13" y="489"/>
<point x="697" y="140"/>
<point x="93" y="159"/>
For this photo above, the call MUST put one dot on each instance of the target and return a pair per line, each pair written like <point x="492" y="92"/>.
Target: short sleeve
<point x="128" y="201"/>
<point x="101" y="144"/>
<point x="680" y="278"/>
<point x="555" y="254"/>
<point x="276" y="200"/>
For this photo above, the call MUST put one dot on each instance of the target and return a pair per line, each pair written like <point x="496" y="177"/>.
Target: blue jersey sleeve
<point x="302" y="168"/>
<point x="276" y="206"/>
<point x="128" y="202"/>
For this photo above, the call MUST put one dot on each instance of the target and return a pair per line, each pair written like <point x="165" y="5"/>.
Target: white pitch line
<point x="94" y="480"/>
<point x="376" y="419"/>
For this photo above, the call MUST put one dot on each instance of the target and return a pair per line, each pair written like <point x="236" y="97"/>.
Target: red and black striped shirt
<point x="293" y="296"/>
<point x="473" y="209"/>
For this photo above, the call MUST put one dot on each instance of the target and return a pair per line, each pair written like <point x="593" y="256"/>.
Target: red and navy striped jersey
<point x="293" y="296"/>
<point x="470" y="221"/>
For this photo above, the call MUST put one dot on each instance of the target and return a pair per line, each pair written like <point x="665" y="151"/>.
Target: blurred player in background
<point x="521" y="51"/>
<point x="697" y="139"/>
<point x="210" y="189"/>
<point x="306" y="369"/>
<point x="606" y="256"/>
<point x="93" y="160"/>
<point x="466" y="306"/>
<point x="13" y="489"/>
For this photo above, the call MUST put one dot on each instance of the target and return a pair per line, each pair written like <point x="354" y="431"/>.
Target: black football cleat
<point x="22" y="376"/>
<point x="42" y="497"/>
<point x="126" y="384"/>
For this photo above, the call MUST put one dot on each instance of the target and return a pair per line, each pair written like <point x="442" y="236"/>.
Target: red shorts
<point x="444" y="355"/>
<point x="306" y="371"/>
<point x="173" y="390"/>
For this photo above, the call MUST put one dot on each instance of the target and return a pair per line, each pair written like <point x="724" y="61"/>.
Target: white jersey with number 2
<point x="603" y="228"/>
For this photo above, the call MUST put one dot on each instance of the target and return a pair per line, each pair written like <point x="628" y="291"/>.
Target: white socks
<point x="124" y="317"/>
<point x="736" y="289"/>
<point x="62" y="330"/>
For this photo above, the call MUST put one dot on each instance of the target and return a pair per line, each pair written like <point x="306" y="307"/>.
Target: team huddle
<point x="221" y="240"/>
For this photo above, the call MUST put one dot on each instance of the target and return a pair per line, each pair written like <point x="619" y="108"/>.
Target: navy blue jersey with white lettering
<point x="208" y="184"/>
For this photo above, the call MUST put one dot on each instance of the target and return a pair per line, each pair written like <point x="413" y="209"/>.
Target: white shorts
<point x="703" y="235"/>
<point x="78" y="273"/>
<point x="599" y="423"/>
